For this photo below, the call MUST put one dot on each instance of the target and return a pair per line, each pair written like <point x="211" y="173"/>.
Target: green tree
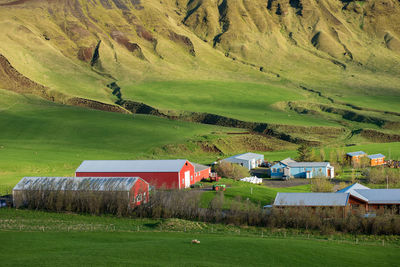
<point x="304" y="153"/>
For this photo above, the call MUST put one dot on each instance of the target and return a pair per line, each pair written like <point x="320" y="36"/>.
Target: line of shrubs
<point x="188" y="205"/>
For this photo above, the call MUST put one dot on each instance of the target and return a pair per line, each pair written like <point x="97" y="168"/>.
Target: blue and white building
<point x="289" y="168"/>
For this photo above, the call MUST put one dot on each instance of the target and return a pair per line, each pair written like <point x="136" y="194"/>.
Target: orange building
<point x="355" y="157"/>
<point x="376" y="159"/>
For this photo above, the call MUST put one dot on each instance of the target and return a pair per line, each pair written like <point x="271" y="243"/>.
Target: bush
<point x="382" y="175"/>
<point x="233" y="171"/>
<point x="321" y="185"/>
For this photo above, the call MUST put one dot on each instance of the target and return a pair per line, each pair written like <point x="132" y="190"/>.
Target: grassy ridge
<point x="244" y="101"/>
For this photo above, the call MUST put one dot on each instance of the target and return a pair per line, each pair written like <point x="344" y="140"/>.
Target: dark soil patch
<point x="183" y="41"/>
<point x="86" y="53"/>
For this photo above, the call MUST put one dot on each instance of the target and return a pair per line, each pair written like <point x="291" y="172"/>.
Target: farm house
<point x="133" y="189"/>
<point x="168" y="174"/>
<point x="376" y="159"/>
<point x="291" y="169"/>
<point x="201" y="172"/>
<point x="247" y="160"/>
<point x="355" y="157"/>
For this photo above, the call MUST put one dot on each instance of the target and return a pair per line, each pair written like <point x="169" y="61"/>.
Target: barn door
<point x="187" y="179"/>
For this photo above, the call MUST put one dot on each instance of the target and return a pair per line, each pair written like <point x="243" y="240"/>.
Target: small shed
<point x="247" y="160"/>
<point x="201" y="172"/>
<point x="135" y="189"/>
<point x="355" y="157"/>
<point x="168" y="174"/>
<point x="376" y="159"/>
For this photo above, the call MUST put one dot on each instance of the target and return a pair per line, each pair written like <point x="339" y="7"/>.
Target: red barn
<point x="201" y="172"/>
<point x="168" y="174"/>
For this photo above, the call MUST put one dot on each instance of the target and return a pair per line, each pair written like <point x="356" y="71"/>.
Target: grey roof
<point x="199" y="167"/>
<point x="287" y="161"/>
<point x="308" y="164"/>
<point x="77" y="183"/>
<point x="351" y="189"/>
<point x="312" y="199"/>
<point x="357" y="153"/>
<point x="248" y="156"/>
<point x="376" y="156"/>
<point x="131" y="165"/>
<point x="380" y="196"/>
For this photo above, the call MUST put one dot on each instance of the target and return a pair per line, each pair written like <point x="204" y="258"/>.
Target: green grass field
<point x="243" y="101"/>
<point x="258" y="194"/>
<point x="51" y="239"/>
<point x="43" y="138"/>
<point x="175" y="249"/>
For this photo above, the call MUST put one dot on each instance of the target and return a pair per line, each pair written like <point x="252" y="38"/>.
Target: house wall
<point x="139" y="193"/>
<point x="204" y="174"/>
<point x="186" y="167"/>
<point x="247" y="163"/>
<point x="301" y="172"/>
<point x="355" y="159"/>
<point x="277" y="170"/>
<point x="355" y="204"/>
<point x="377" y="162"/>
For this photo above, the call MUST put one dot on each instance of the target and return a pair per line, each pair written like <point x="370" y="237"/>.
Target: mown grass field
<point x="51" y="239"/>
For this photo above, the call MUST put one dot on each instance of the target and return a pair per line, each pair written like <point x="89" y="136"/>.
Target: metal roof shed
<point x="380" y="196"/>
<point x="247" y="160"/>
<point x="312" y="199"/>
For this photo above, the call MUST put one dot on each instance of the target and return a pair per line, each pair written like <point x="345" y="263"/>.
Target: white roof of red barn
<point x="131" y="165"/>
<point x="77" y="183"/>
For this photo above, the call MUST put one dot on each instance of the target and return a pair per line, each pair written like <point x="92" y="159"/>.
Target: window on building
<point x="144" y="197"/>
<point x="273" y="169"/>
<point x="139" y="198"/>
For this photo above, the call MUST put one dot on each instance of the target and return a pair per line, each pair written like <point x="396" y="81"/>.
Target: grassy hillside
<point x="42" y="138"/>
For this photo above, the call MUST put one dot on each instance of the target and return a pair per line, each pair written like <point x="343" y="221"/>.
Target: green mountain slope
<point x="280" y="62"/>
